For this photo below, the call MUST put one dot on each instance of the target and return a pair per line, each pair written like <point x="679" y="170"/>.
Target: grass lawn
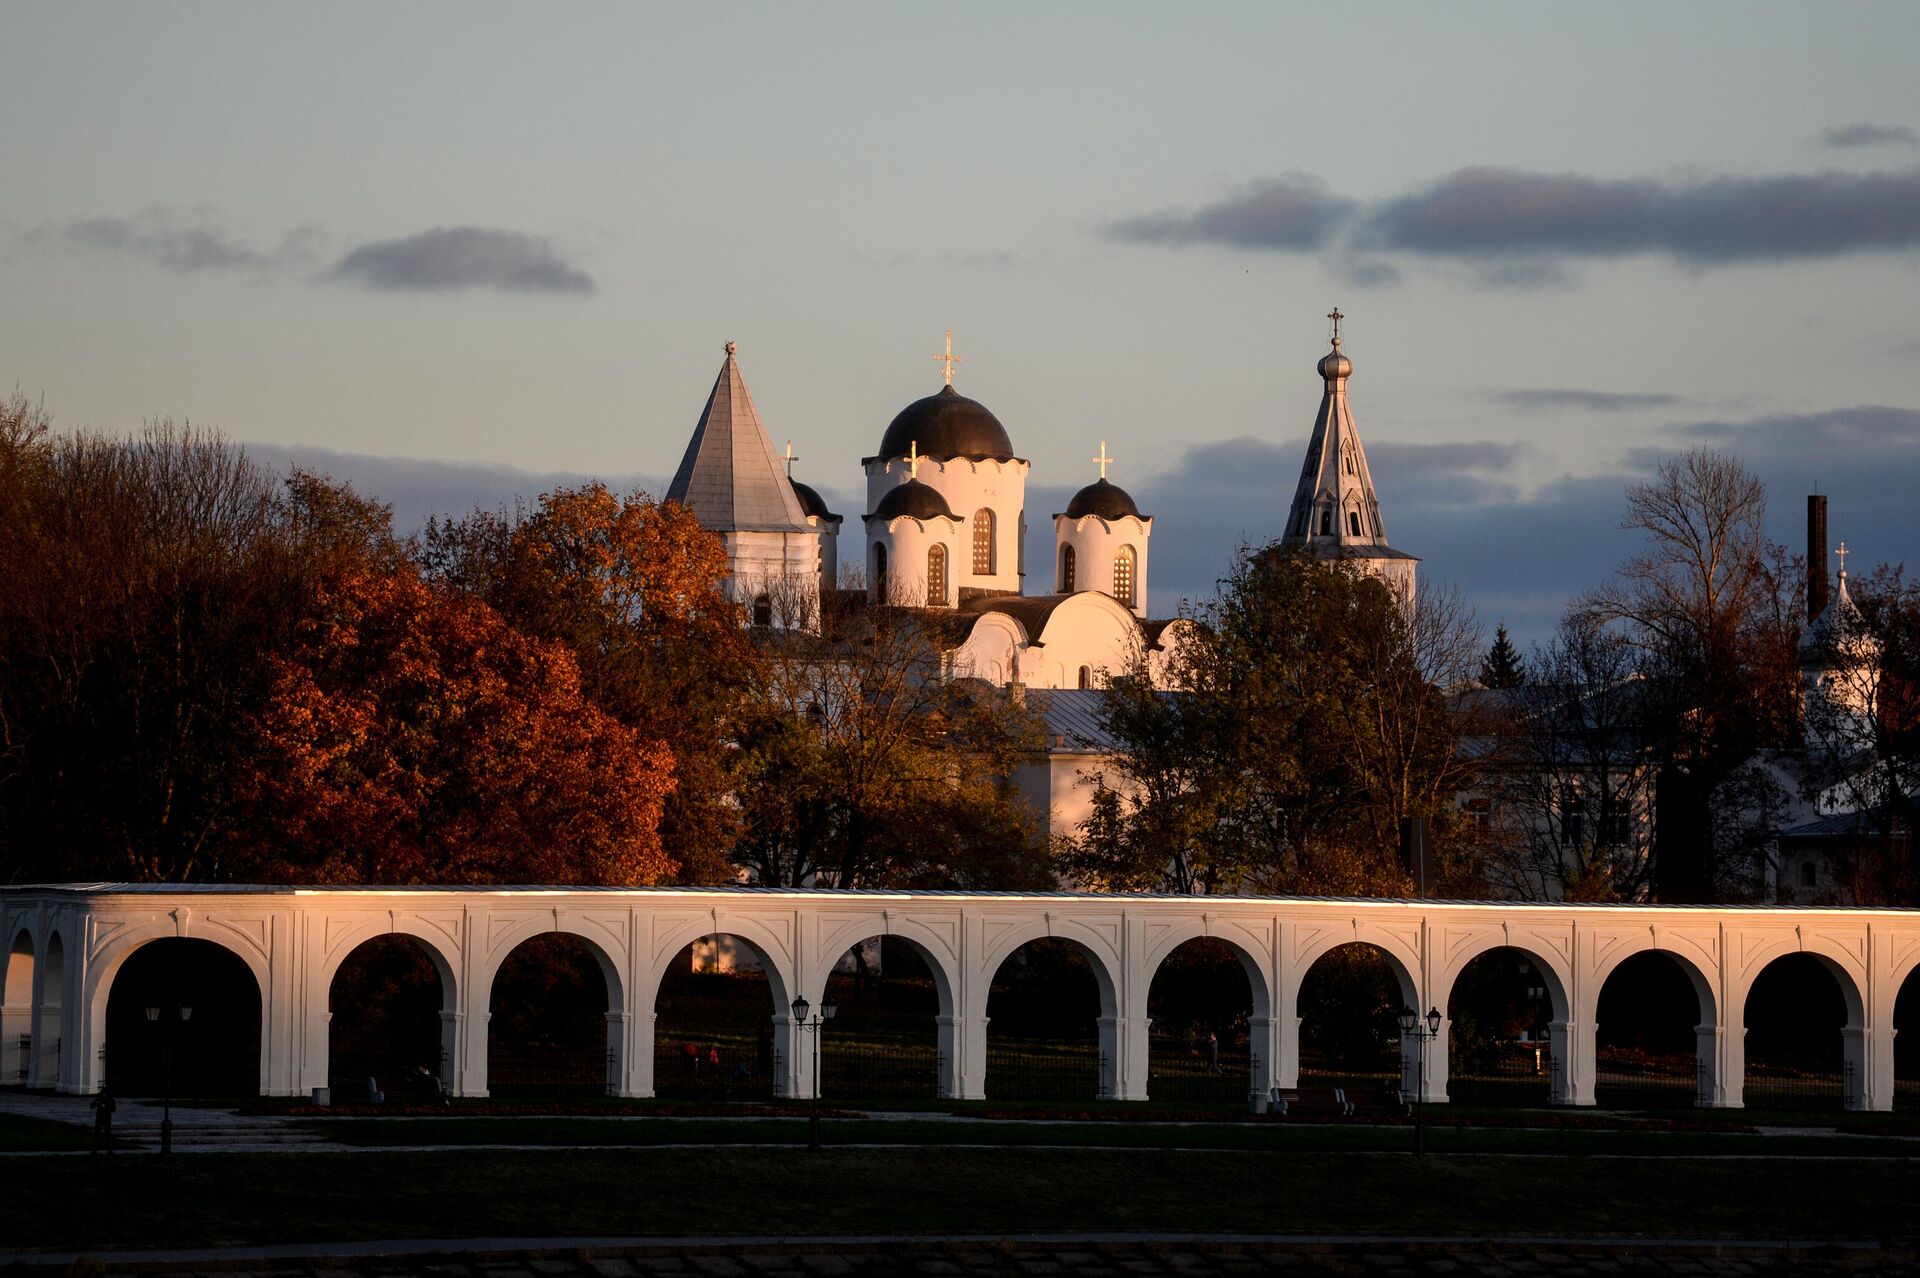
<point x="1221" y="1136"/>
<point x="234" y="1199"/>
<point x="40" y="1134"/>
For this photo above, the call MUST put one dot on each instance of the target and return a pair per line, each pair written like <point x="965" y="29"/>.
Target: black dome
<point x="810" y="500"/>
<point x="1109" y="501"/>
<point x="914" y="499"/>
<point x="947" y="425"/>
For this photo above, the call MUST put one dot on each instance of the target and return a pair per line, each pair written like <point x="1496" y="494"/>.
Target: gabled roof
<point x="730" y="477"/>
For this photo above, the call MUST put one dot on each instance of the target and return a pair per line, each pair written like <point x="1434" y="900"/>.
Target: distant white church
<point x="945" y="531"/>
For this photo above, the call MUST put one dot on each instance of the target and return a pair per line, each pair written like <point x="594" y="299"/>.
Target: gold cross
<point x="1336" y="317"/>
<point x="1841" y="554"/>
<point x="1103" y="461"/>
<point x="950" y="359"/>
<point x="913" y="460"/>
<point x="789" y="458"/>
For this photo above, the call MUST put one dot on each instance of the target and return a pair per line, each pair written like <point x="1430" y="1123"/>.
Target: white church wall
<point x="968" y="487"/>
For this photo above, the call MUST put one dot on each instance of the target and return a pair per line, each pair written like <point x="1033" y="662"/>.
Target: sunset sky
<point x="458" y="252"/>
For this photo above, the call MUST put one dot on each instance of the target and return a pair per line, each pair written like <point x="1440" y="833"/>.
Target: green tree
<point x="1503" y="666"/>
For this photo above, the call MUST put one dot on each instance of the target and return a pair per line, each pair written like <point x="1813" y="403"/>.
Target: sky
<point x="459" y="253"/>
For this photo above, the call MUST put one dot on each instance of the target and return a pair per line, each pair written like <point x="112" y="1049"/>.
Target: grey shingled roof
<point x="1073" y="720"/>
<point x="730" y="477"/>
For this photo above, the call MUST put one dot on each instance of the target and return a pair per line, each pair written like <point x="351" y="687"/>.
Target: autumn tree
<point x="634" y="589"/>
<point x="1309" y="718"/>
<point x="866" y="763"/>
<point x="1711" y="611"/>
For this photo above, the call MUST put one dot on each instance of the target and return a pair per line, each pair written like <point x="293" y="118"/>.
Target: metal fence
<point x="1631" y="1079"/>
<point x="1179" y="1071"/>
<point x="1033" y="1069"/>
<point x="1784" y="1087"/>
<point x="868" y="1069"/>
<point x="1516" y="1074"/>
<point x="714" y="1067"/>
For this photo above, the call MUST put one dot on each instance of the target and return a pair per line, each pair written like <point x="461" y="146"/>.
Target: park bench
<point x="1336" y="1102"/>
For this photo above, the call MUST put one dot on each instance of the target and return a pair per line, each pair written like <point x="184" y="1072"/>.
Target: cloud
<point x="1537" y="398"/>
<point x="1519" y="229"/>
<point x="163" y="237"/>
<point x="1484" y="212"/>
<point x="1295" y="212"/>
<point x="445" y="259"/>
<point x="1845" y="136"/>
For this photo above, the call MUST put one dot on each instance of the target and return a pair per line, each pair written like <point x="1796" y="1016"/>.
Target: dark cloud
<point x="1540" y="398"/>
<point x="1295" y="212"/>
<point x="1487" y="212"/>
<point x="1368" y="272"/>
<point x="1844" y="136"/>
<point x="163" y="237"/>
<point x="1519" y="229"/>
<point x="462" y="257"/>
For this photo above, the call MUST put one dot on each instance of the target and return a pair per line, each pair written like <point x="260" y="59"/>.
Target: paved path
<point x="1060" y="1254"/>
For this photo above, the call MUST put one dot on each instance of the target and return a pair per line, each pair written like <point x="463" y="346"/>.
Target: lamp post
<point x="1410" y="1027"/>
<point x="814" y="1026"/>
<point x="180" y="1011"/>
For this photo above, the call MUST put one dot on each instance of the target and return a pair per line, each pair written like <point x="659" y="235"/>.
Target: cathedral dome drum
<point x="913" y="499"/>
<point x="947" y="424"/>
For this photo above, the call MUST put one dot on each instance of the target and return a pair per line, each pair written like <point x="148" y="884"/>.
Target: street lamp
<point x="180" y="1012"/>
<point x="1410" y="1027"/>
<point x="827" y="1009"/>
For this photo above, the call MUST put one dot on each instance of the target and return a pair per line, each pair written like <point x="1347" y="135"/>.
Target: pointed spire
<point x="730" y="475"/>
<point x="1334" y="505"/>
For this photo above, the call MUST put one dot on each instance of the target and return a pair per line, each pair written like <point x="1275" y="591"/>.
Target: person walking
<point x="103" y="1106"/>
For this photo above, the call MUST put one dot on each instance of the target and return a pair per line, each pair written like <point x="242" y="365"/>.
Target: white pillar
<point x="1721" y="1055"/>
<point x="1125" y="1042"/>
<point x="1263" y="1043"/>
<point x="44" y="1069"/>
<point x="1288" y="1075"/>
<point x="1431" y="1061"/>
<point x="949" y="1080"/>
<point x="970" y="1049"/>
<point x="619" y="1082"/>
<point x="1879" y="1056"/>
<point x="1571" y="1044"/>
<point x="16" y="1042"/>
<point x="463" y="1050"/>
<point x="636" y="1079"/>
<point x="1856" y="1051"/>
<point x="793" y="1059"/>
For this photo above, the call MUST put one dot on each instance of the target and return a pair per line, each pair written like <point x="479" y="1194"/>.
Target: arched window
<point x="879" y="573"/>
<point x="1086" y="676"/>
<point x="1123" y="576"/>
<point x="1066" y="570"/>
<point x="983" y="542"/>
<point x="763" y="610"/>
<point x="1353" y="523"/>
<point x="936" y="575"/>
<point x="1326" y="521"/>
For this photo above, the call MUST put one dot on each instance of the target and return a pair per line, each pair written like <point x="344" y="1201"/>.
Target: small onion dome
<point x="1335" y="366"/>
<point x="810" y="500"/>
<point x="947" y="425"/>
<point x="1109" y="501"/>
<point x="915" y="500"/>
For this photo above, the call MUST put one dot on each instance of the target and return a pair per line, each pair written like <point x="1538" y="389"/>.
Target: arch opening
<point x="551" y="1027"/>
<point x="386" y="1032"/>
<point x="1200" y="1005"/>
<point x="713" y="1027"/>
<point x="213" y="1052"/>
<point x="1795" y="1050"/>
<point x="1647" y="1035"/>
<point x="1043" y="1023"/>
<point x="1499" y="1049"/>
<point x="1906" y="1043"/>
<point x="883" y="1043"/>
<point x="1349" y="1007"/>
<point x="16" y="1013"/>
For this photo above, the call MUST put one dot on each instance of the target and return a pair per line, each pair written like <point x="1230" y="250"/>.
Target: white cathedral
<point x="945" y="531"/>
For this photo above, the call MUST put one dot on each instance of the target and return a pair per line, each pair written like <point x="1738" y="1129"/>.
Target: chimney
<point x="1816" y="555"/>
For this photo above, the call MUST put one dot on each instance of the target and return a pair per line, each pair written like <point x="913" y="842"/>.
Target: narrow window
<point x="1123" y="576"/>
<point x="1326" y="522"/>
<point x="1086" y="676"/>
<point x="1807" y="874"/>
<point x="983" y="542"/>
<point x="1353" y="523"/>
<point x="936" y="576"/>
<point x="762" y="610"/>
<point x="879" y="573"/>
<point x="1066" y="570"/>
